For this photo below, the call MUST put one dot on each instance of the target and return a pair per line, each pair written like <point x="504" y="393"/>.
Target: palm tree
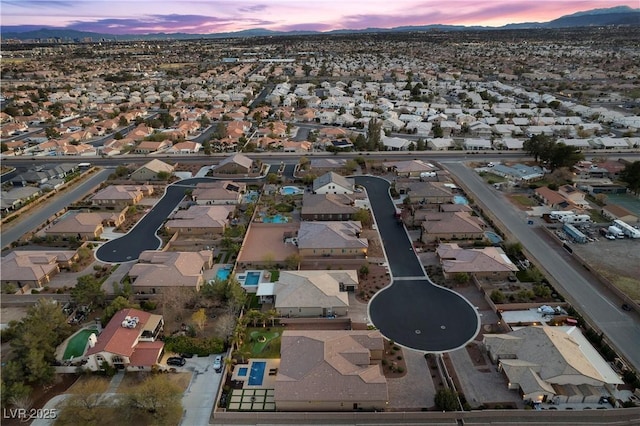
<point x="271" y="315"/>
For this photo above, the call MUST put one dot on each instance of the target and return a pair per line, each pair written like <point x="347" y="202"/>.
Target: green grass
<point x="492" y="177"/>
<point x="275" y="275"/>
<point x="270" y="348"/>
<point x="77" y="343"/>
<point x="523" y="200"/>
<point x="597" y="217"/>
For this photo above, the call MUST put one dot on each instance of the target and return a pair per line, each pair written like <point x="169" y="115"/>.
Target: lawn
<point x="523" y="200"/>
<point x="133" y="379"/>
<point x="597" y="217"/>
<point x="492" y="178"/>
<point x="263" y="342"/>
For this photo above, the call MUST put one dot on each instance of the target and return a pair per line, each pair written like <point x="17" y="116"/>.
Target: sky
<point x="215" y="16"/>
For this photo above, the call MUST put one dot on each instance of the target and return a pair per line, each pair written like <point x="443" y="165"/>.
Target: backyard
<point x="261" y="342"/>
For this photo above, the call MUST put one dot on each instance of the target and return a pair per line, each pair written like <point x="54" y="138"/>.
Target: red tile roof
<point x="146" y="354"/>
<point x="117" y="339"/>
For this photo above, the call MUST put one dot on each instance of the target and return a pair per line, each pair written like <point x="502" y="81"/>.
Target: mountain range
<point x="619" y="15"/>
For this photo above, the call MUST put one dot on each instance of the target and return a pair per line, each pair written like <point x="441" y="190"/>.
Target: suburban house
<point x="553" y="199"/>
<point x="218" y="192"/>
<point x="17" y="197"/>
<point x="130" y="341"/>
<point x="233" y="165"/>
<point x="121" y="195"/>
<point x="331" y="239"/>
<point x="333" y="183"/>
<point x="185" y="148"/>
<point x="614" y="211"/>
<point x="409" y="168"/>
<point x="425" y="192"/>
<point x="447" y="226"/>
<point x="323" y="165"/>
<point x="148" y="147"/>
<point x="327" y="207"/>
<point x="84" y="226"/>
<point x="200" y="220"/>
<point x="150" y="171"/>
<point x="518" y="172"/>
<point x="574" y="195"/>
<point x="27" y="269"/>
<point x="337" y="370"/>
<point x="552" y="364"/>
<point x="157" y="270"/>
<point x="314" y="293"/>
<point x="487" y="262"/>
<point x="266" y="243"/>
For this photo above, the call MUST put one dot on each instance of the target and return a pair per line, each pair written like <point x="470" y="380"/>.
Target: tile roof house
<point x="156" y="270"/>
<point x="200" y="220"/>
<point x="487" y="262"/>
<point x="187" y="147"/>
<point x="235" y="164"/>
<point x="314" y="293"/>
<point x="218" y="192"/>
<point x="327" y="207"/>
<point x="121" y="195"/>
<point x="425" y="192"/>
<point x="331" y="239"/>
<point x="27" y="269"/>
<point x="319" y="165"/>
<point x="147" y="147"/>
<point x="409" y="168"/>
<point x="553" y="199"/>
<point x="84" y="226"/>
<point x="447" y="226"/>
<point x="333" y="183"/>
<point x="129" y="341"/>
<point x="150" y="170"/>
<point x="334" y="370"/>
<point x="543" y="362"/>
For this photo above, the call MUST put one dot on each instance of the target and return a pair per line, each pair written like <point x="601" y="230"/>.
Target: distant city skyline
<point x="215" y="16"/>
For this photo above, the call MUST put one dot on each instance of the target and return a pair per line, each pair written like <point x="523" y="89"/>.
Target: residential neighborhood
<point x="378" y="224"/>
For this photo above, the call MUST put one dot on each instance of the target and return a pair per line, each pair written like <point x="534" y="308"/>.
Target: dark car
<point x="177" y="361"/>
<point x="186" y="355"/>
<point x="626" y="307"/>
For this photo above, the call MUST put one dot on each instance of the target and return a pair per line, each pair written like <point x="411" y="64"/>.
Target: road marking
<point x="420" y="278"/>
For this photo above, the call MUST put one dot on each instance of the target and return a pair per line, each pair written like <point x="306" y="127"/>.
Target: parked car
<point x="177" y="361"/>
<point x="217" y="364"/>
<point x="186" y="355"/>
<point x="626" y="307"/>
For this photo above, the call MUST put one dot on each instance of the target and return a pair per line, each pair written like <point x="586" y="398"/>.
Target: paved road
<point x="39" y="215"/>
<point x="413" y="311"/>
<point x="143" y="235"/>
<point x="622" y="328"/>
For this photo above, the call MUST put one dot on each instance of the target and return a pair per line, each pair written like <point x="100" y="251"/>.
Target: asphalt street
<point x="39" y="215"/>
<point x="413" y="311"/>
<point x="621" y="328"/>
<point x="143" y="235"/>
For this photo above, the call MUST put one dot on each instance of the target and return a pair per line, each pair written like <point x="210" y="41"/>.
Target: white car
<point x="217" y="363"/>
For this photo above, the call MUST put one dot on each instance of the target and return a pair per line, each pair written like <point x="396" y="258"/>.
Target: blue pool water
<point x="222" y="274"/>
<point x="291" y="190"/>
<point x="493" y="237"/>
<point x="252" y="278"/>
<point x="459" y="199"/>
<point x="257" y="373"/>
<point x="275" y="219"/>
<point x="242" y="371"/>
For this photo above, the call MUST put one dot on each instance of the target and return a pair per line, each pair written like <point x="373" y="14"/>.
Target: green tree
<point x="446" y="400"/>
<point x="374" y="135"/>
<point x="497" y="296"/>
<point x="272" y="178"/>
<point x="538" y="146"/>
<point x="88" y="291"/>
<point x="292" y="261"/>
<point x="541" y="290"/>
<point x="4" y="147"/>
<point x="421" y="145"/>
<point x="562" y="155"/>
<point x="631" y="176"/>
<point x="159" y="397"/>
<point x="83" y="407"/>
<point x="461" y="277"/>
<point x="437" y="130"/>
<point x="164" y="175"/>
<point x="364" y="216"/>
<point x="118" y="304"/>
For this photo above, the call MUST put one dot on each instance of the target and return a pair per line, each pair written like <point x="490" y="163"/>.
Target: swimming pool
<point x="222" y="274"/>
<point x="257" y="373"/>
<point x="242" y="371"/>
<point x="291" y="190"/>
<point x="253" y="278"/>
<point x="459" y="199"/>
<point x="493" y="237"/>
<point x="275" y="219"/>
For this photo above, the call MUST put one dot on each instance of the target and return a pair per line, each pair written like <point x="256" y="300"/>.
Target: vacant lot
<point x="617" y="260"/>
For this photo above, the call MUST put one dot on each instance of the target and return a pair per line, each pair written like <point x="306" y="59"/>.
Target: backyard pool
<point x="459" y="199"/>
<point x="249" y="278"/>
<point x="291" y="190"/>
<point x="493" y="237"/>
<point x="223" y="273"/>
<point x="242" y="371"/>
<point x="77" y="344"/>
<point x="275" y="219"/>
<point x="257" y="373"/>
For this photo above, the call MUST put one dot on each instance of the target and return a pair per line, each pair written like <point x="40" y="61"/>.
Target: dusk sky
<point x="214" y="16"/>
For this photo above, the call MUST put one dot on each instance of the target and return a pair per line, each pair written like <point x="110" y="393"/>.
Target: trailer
<point x="557" y="215"/>
<point x="576" y="218"/>
<point x="574" y="233"/>
<point x="615" y="231"/>
<point x="627" y="229"/>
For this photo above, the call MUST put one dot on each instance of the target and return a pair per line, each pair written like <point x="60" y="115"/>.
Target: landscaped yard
<point x="523" y="201"/>
<point x="77" y="343"/>
<point x="262" y="342"/>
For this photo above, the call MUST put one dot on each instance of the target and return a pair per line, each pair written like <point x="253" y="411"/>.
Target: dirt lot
<point x="617" y="260"/>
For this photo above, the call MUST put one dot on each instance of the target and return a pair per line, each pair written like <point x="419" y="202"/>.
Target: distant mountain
<point x="619" y="15"/>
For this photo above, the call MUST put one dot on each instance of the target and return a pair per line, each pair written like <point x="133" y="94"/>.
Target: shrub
<point x="400" y="370"/>
<point x="399" y="357"/>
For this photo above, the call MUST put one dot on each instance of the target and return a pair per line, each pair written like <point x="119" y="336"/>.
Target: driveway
<point x="199" y="397"/>
<point x="413" y="311"/>
<point x="415" y="390"/>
